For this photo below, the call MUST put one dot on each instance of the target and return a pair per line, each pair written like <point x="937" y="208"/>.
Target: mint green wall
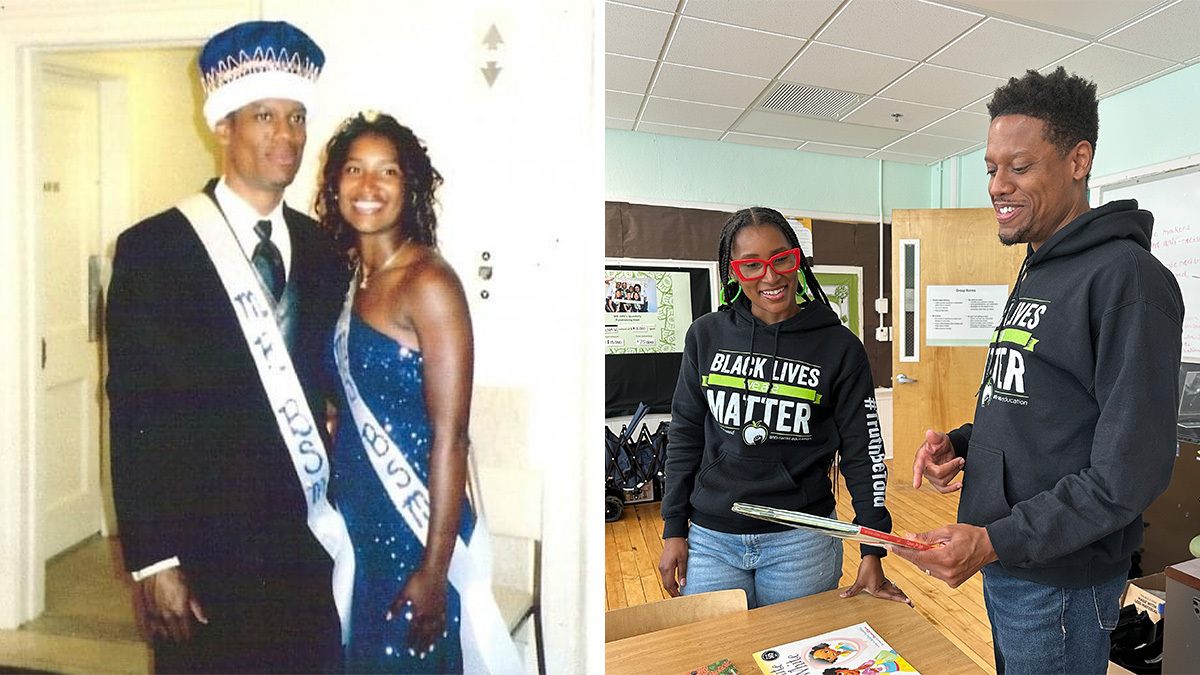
<point x="649" y="166"/>
<point x="1152" y="123"/>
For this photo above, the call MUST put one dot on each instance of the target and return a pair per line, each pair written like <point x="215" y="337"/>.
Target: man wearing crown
<point x="218" y="312"/>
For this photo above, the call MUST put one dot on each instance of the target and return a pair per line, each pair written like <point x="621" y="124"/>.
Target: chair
<point x="651" y="616"/>
<point x="510" y="498"/>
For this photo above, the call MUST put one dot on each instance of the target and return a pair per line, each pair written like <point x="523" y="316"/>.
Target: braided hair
<point x="759" y="216"/>
<point x="418" y="221"/>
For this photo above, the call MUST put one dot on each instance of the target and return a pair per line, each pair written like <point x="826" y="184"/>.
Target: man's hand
<point x="936" y="461"/>
<point x="672" y="566"/>
<point x="960" y="551"/>
<point x="166" y="606"/>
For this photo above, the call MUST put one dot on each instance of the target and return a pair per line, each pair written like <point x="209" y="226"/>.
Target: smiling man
<point x="218" y="312"/>
<point x="1074" y="430"/>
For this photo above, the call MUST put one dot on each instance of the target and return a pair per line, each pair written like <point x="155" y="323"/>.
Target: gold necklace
<point x="366" y="274"/>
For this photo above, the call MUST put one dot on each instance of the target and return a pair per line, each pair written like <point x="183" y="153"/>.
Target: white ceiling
<point x="704" y="68"/>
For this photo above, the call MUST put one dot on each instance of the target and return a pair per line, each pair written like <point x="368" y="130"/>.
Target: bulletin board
<point x="644" y="329"/>
<point x="1172" y="194"/>
<point x="843" y="285"/>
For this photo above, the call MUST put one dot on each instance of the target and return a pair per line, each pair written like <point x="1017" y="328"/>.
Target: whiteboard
<point x="1174" y="199"/>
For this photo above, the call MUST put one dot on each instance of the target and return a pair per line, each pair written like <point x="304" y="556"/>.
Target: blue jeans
<point x="1045" y="629"/>
<point x="771" y="567"/>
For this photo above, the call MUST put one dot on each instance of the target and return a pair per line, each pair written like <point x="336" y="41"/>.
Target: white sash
<point x="300" y="433"/>
<point x="486" y="644"/>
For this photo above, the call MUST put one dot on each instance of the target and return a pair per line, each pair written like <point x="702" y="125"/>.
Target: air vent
<point x="801" y="100"/>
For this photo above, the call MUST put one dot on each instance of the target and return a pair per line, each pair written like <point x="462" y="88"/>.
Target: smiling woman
<point x="757" y="418"/>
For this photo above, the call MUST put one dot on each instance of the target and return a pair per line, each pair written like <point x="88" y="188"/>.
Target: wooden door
<point x="956" y="247"/>
<point x="67" y="486"/>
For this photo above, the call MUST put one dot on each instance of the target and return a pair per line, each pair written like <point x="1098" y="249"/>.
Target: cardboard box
<point x="1137" y="592"/>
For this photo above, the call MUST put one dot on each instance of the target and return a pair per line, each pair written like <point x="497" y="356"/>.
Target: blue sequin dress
<point x="389" y="378"/>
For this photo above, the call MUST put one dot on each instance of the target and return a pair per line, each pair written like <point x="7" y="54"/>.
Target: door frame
<point x="24" y="33"/>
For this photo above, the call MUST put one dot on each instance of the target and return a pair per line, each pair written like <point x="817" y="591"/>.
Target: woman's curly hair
<point x="418" y="221"/>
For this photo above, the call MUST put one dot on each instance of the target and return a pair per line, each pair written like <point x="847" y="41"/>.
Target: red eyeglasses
<point x="750" y="269"/>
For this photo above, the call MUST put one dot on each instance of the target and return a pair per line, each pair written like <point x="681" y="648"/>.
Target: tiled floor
<point x="88" y="625"/>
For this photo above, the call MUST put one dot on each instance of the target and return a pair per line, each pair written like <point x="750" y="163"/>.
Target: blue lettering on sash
<point x="297" y="420"/>
<point x="317" y="491"/>
<point x="394" y="468"/>
<point x="417" y="504"/>
<point x="307" y="447"/>
<point x="267" y="347"/>
<point x="248" y="302"/>
<point x="378" y="443"/>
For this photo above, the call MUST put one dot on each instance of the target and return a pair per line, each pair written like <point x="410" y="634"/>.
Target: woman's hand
<point x="672" y="566"/>
<point x="871" y="579"/>
<point x="423" y="602"/>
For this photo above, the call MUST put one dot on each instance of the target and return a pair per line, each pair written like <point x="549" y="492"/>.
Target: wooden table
<point x="737" y="636"/>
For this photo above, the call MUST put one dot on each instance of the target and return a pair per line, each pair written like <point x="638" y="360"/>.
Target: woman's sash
<point x="486" y="643"/>
<point x="256" y="316"/>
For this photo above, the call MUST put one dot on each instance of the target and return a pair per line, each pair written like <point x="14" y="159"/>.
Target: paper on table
<point x="855" y="649"/>
<point x="827" y="526"/>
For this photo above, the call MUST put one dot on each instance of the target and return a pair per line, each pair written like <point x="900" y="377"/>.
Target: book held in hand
<point x="827" y="526"/>
<point x="854" y="650"/>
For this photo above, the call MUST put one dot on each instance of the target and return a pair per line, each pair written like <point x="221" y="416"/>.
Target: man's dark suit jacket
<point x="199" y="468"/>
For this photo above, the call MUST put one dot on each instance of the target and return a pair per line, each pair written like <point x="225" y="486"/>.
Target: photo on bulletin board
<point x="843" y="285"/>
<point x="648" y="307"/>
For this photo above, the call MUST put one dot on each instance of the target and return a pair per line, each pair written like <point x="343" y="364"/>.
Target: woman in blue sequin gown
<point x="411" y="355"/>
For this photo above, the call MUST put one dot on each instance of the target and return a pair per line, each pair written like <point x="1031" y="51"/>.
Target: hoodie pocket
<point x="983" y="498"/>
<point x="733" y="478"/>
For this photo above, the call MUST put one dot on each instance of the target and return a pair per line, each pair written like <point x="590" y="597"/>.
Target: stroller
<point x="632" y="462"/>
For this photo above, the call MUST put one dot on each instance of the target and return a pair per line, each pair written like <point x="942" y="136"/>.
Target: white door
<point x="67" y="466"/>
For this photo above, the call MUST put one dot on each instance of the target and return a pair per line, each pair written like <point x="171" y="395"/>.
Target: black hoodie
<point x="807" y="382"/>
<point x="1074" y="432"/>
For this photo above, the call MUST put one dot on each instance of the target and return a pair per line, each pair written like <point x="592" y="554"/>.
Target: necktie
<point x="267" y="261"/>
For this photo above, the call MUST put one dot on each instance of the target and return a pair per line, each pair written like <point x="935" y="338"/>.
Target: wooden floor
<point x="633" y="545"/>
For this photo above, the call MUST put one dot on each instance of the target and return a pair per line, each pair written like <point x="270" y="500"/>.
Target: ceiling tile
<point x="906" y="28"/>
<point x="1169" y="34"/>
<point x="827" y="149"/>
<point x="843" y="69"/>
<point x="689" y="114"/>
<point x="1087" y="17"/>
<point x="626" y="73"/>
<point x="888" y="156"/>
<point x="634" y="31"/>
<point x="929" y="146"/>
<point x="1109" y="67"/>
<point x="935" y="85"/>
<point x="964" y="125"/>
<point x="742" y="50"/>
<point x="878" y="112"/>
<point x="707" y="86"/>
<point x="1006" y="49"/>
<point x="614" y="123"/>
<point x="672" y="130"/>
<point x="622" y="105"/>
<point x="765" y="141"/>
<point x="810" y="129"/>
<point x="799" y="19"/>
<point x="664" y="5"/>
<point x="980" y="106"/>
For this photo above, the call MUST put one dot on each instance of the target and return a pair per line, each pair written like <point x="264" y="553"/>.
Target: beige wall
<point x="171" y="153"/>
